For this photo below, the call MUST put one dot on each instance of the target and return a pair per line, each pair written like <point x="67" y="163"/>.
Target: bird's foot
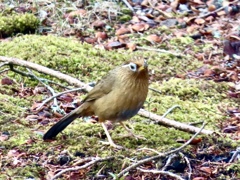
<point x="112" y="144"/>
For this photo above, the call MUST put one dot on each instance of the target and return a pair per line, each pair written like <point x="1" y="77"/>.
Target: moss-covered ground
<point x="199" y="99"/>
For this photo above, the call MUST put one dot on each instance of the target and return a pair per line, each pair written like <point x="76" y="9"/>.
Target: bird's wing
<point x="103" y="87"/>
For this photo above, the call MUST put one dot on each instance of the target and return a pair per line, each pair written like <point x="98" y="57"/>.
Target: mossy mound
<point x="85" y="62"/>
<point x="11" y="24"/>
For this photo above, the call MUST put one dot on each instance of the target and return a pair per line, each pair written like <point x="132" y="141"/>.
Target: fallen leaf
<point x="98" y="24"/>
<point x="206" y="170"/>
<point x="199" y="21"/>
<point x="101" y="35"/>
<point x="122" y="31"/>
<point x="153" y="38"/>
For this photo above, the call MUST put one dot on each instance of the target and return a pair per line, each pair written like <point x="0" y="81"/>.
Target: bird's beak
<point x="144" y="66"/>
<point x="141" y="68"/>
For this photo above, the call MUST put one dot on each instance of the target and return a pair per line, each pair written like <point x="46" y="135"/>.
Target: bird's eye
<point x="133" y="67"/>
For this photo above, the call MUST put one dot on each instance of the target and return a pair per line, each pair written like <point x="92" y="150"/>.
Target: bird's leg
<point x="110" y="141"/>
<point x="130" y="132"/>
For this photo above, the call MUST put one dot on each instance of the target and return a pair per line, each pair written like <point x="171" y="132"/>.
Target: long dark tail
<point x="61" y="125"/>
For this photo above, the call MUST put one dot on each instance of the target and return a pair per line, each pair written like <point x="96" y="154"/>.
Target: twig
<point x="188" y="164"/>
<point x="169" y="110"/>
<point x="167" y="173"/>
<point x="159" y="50"/>
<point x="128" y="5"/>
<point x="236" y="153"/>
<point x="167" y="15"/>
<point x="160" y="155"/>
<point x="55" y="103"/>
<point x="92" y="162"/>
<point x="155" y="90"/>
<point x="57" y="95"/>
<point x="149" y="149"/>
<point x="171" y="156"/>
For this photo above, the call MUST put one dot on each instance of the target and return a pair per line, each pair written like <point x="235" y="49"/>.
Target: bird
<point x="117" y="97"/>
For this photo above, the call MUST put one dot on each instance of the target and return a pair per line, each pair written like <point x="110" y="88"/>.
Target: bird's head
<point x="137" y="68"/>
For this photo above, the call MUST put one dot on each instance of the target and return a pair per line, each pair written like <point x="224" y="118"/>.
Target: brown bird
<point x="116" y="97"/>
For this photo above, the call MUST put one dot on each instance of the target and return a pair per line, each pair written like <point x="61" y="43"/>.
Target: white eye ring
<point x="132" y="67"/>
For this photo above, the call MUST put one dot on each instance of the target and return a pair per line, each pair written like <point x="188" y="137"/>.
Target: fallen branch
<point x="45" y="70"/>
<point x="128" y="5"/>
<point x="93" y="161"/>
<point x="167" y="122"/>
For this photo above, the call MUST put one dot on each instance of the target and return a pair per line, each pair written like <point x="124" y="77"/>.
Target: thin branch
<point x="167" y="173"/>
<point x="169" y="160"/>
<point x="155" y="90"/>
<point x="188" y="164"/>
<point x="92" y="162"/>
<point x="149" y="149"/>
<point x="236" y="153"/>
<point x="169" y="110"/>
<point x="128" y="5"/>
<point x="55" y="106"/>
<point x="160" y="155"/>
<point x="57" y="95"/>
<point x="167" y="122"/>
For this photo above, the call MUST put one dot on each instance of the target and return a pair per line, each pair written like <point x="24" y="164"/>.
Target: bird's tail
<point x="61" y="125"/>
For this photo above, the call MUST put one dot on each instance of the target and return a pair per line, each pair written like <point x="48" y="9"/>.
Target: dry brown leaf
<point x="191" y="29"/>
<point x="140" y="27"/>
<point x="90" y="40"/>
<point x="145" y="3"/>
<point x="221" y="13"/>
<point x="101" y="35"/>
<point x="211" y="7"/>
<point x="174" y="4"/>
<point x="199" y="21"/>
<point x="206" y="170"/>
<point x="199" y="178"/>
<point x="199" y="2"/>
<point x="131" y="46"/>
<point x="79" y="12"/>
<point x="135" y="19"/>
<point x="154" y="38"/>
<point x="122" y="31"/>
<point x="98" y="24"/>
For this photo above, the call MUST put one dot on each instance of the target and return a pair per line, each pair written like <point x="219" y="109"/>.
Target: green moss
<point x="125" y="18"/>
<point x="181" y="41"/>
<point x="12" y="23"/>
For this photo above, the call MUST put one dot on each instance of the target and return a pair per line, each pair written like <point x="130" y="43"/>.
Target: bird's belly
<point x="119" y="110"/>
<point x="127" y="114"/>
